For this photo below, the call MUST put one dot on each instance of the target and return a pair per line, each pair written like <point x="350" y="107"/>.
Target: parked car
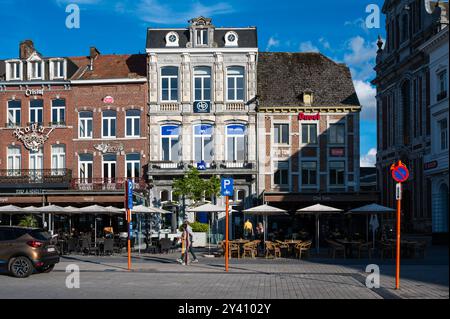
<point x="25" y="250"/>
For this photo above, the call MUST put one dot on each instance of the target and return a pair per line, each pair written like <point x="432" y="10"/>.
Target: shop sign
<point x="308" y="117"/>
<point x="202" y="107"/>
<point x="337" y="152"/>
<point x="430" y="165"/>
<point x="108" y="99"/>
<point x="33" y="137"/>
<point x="30" y="92"/>
<point x="109" y="148"/>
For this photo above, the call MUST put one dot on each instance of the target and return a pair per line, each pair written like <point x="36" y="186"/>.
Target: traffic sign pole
<point x="397" y="272"/>
<point x="226" y="233"/>
<point x="129" y="239"/>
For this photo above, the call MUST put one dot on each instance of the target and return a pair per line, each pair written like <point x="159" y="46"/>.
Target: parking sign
<point x="130" y="194"/>
<point x="227" y="187"/>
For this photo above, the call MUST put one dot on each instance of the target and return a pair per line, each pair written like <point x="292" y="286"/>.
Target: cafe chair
<point x="272" y="250"/>
<point x="234" y="249"/>
<point x="108" y="247"/>
<point x="250" y="249"/>
<point x="302" y="248"/>
<point x="334" y="247"/>
<point x="365" y="247"/>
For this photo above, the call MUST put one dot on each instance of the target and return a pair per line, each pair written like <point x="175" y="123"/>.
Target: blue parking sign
<point x="227" y="187"/>
<point x="130" y="194"/>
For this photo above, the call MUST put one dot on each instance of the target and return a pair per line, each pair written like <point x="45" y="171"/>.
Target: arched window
<point x="236" y="142"/>
<point x="169" y="84"/>
<point x="203" y="142"/>
<point x="235" y="83"/>
<point x="132" y="121"/>
<point x="202" y="83"/>
<point x="170" y="143"/>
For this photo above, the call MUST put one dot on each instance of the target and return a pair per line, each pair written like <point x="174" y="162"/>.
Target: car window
<point x="7" y="234"/>
<point x="40" y="234"/>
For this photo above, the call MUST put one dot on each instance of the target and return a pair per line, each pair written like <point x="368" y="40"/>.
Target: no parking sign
<point x="400" y="172"/>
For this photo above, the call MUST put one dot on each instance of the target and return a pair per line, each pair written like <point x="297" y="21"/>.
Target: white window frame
<point x="15" y="111"/>
<point x="200" y="33"/>
<point x="58" y="111"/>
<point x="36" y="110"/>
<point x="132" y="162"/>
<point x="59" y="158"/>
<point x="194" y="136"/>
<point x="109" y="120"/>
<point x="55" y="65"/>
<point x="203" y="77"/>
<point x="169" y="80"/>
<point x="235" y="78"/>
<point x="309" y="133"/>
<point x="36" y="165"/>
<point x="280" y="135"/>
<point x="32" y="72"/>
<point x="170" y="137"/>
<point x="85" y="120"/>
<point x="133" y="118"/>
<point x="109" y="179"/>
<point x="16" y="159"/>
<point x="17" y="66"/>
<point x="85" y="164"/>
<point x="243" y="136"/>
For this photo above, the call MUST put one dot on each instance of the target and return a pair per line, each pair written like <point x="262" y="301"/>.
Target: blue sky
<point x="335" y="28"/>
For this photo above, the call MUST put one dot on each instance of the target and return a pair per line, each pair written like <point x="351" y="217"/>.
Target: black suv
<point x="23" y="250"/>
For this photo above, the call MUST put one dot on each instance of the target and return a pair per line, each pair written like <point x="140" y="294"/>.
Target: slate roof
<point x="284" y="77"/>
<point x="156" y="38"/>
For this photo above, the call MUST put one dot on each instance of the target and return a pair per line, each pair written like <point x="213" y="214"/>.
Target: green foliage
<point x="195" y="188"/>
<point x="28" y="221"/>
<point x="198" y="227"/>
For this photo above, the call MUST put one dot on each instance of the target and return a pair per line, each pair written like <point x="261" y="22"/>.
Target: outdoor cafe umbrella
<point x="318" y="210"/>
<point x="372" y="210"/>
<point x="11" y="209"/>
<point x="209" y="208"/>
<point x="265" y="210"/>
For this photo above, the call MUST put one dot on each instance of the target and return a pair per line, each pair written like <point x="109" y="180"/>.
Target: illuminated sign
<point x="30" y="92"/>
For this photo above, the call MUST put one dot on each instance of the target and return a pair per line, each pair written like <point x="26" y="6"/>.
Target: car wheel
<point x="46" y="269"/>
<point x="21" y="267"/>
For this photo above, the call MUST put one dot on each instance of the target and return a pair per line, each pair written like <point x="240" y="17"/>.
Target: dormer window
<point x="35" y="69"/>
<point x="58" y="69"/>
<point x="14" y="71"/>
<point x="307" y="98"/>
<point x="202" y="36"/>
<point x="172" y="39"/>
<point x="231" y="39"/>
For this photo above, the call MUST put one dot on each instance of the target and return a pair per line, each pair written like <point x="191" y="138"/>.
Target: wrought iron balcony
<point x="219" y="166"/>
<point x="106" y="184"/>
<point x="29" y="178"/>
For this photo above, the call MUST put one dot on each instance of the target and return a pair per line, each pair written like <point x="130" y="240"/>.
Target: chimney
<point x="93" y="54"/>
<point x="26" y="49"/>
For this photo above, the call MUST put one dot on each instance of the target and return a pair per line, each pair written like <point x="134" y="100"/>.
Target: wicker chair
<point x="302" y="248"/>
<point x="250" y="249"/>
<point x="272" y="250"/>
<point x="234" y="249"/>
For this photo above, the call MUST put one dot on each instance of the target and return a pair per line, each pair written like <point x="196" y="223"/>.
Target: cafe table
<point x="349" y="244"/>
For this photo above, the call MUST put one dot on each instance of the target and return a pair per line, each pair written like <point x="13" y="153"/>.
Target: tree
<point x="28" y="221"/>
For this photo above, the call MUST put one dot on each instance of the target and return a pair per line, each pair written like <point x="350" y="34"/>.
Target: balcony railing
<point x="217" y="165"/>
<point x="30" y="176"/>
<point x="169" y="107"/>
<point x="238" y="106"/>
<point x="106" y="184"/>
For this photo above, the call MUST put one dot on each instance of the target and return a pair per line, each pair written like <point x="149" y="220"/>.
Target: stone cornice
<point x="309" y="109"/>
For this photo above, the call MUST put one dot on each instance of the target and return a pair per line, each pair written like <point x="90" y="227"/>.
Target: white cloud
<point x="308" y="47"/>
<point x="272" y="43"/>
<point x="157" y="12"/>
<point x="325" y="43"/>
<point x="361" y="52"/>
<point x="359" y="23"/>
<point x="366" y="94"/>
<point x="369" y="159"/>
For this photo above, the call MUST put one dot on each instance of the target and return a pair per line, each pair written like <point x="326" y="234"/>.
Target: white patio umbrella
<point x="265" y="211"/>
<point x="318" y="210"/>
<point x="371" y="210"/>
<point x="11" y="209"/>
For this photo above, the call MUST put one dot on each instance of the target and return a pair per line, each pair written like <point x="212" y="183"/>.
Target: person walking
<point x="188" y="236"/>
<point x="248" y="230"/>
